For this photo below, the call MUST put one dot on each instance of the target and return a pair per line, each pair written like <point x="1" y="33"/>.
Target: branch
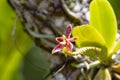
<point x="70" y="13"/>
<point x="37" y="35"/>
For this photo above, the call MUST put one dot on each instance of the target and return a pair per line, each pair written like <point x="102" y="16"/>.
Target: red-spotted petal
<point x="68" y="31"/>
<point x="69" y="46"/>
<point x="59" y="39"/>
<point x="72" y="39"/>
<point x="57" y="48"/>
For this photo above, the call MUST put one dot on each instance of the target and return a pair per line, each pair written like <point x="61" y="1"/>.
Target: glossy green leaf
<point x="87" y="36"/>
<point x="36" y="65"/>
<point x="102" y="18"/>
<point x="103" y="74"/>
<point x="13" y="46"/>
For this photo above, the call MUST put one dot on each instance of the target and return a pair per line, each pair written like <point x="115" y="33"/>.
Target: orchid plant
<point x="96" y="40"/>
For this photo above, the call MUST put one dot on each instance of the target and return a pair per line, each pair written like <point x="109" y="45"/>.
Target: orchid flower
<point x="65" y="41"/>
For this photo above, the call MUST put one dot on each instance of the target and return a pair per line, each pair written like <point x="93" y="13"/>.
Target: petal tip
<point x="53" y="52"/>
<point x="57" y="48"/>
<point x="68" y="30"/>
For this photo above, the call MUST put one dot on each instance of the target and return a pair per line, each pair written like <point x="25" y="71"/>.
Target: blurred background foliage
<point x="14" y="44"/>
<point x="116" y="6"/>
<point x="20" y="58"/>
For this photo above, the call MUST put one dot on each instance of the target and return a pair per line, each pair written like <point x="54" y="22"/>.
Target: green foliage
<point x="101" y="32"/>
<point x="102" y="18"/>
<point x="116" y="6"/>
<point x="14" y="43"/>
<point x="36" y="66"/>
<point x="87" y="36"/>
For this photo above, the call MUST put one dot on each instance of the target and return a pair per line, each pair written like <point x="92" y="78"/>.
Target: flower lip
<point x="63" y="43"/>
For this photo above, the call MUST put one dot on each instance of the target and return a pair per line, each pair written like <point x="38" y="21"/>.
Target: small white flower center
<point x="64" y="43"/>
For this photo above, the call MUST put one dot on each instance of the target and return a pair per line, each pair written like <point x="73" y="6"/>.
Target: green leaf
<point x="12" y="46"/>
<point x="87" y="36"/>
<point x="102" y="18"/>
<point x="36" y="65"/>
<point x="103" y="74"/>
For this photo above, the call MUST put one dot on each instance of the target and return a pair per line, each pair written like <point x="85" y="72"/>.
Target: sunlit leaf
<point x="87" y="36"/>
<point x="102" y="18"/>
<point x="103" y="74"/>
